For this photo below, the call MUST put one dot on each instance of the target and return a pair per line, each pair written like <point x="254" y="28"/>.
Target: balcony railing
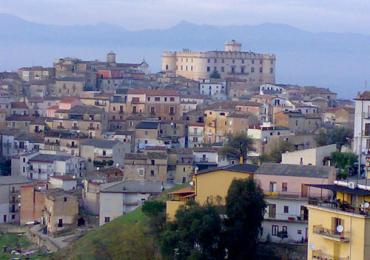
<point x="339" y="206"/>
<point x="319" y="255"/>
<point x="331" y="234"/>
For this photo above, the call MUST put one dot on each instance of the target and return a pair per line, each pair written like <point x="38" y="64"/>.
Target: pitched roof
<point x="134" y="187"/>
<point x="243" y="168"/>
<point x="100" y="143"/>
<point x="7" y="180"/>
<point x="147" y="125"/>
<point x="22" y="105"/>
<point x="49" y="158"/>
<point x="294" y="170"/>
<point x="363" y="96"/>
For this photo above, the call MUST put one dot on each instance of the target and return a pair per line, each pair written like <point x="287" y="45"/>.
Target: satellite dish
<point x="366" y="204"/>
<point x="340" y="228"/>
<point x="191" y="183"/>
<point x="312" y="246"/>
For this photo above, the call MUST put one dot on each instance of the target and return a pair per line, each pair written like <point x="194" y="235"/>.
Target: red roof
<point x="19" y="105"/>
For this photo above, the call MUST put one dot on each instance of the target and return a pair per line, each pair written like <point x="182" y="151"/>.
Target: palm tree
<point x="237" y="147"/>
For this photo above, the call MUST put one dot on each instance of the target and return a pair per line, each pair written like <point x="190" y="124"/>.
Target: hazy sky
<point x="313" y="15"/>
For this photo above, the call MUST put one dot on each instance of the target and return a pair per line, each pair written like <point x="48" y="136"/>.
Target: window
<point x="272" y="187"/>
<point x="285" y="229"/>
<point x="208" y="69"/>
<point x="60" y="222"/>
<point x="252" y="70"/>
<point x="172" y="99"/>
<point x="271" y="70"/>
<point x="152" y="162"/>
<point x="335" y="222"/>
<point x="106" y="219"/>
<point x="286" y="209"/>
<point x="157" y="99"/>
<point x="65" y="199"/>
<point x="24" y="159"/>
<point x="299" y="232"/>
<point x="272" y="210"/>
<point x="222" y="69"/>
<point x="367" y="129"/>
<point x="209" y="60"/>
<point x="284" y="186"/>
<point x="274" y="230"/>
<point x="261" y="70"/>
<point x="151" y="173"/>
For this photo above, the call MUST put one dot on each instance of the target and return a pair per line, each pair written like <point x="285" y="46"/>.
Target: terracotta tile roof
<point x="19" y="105"/>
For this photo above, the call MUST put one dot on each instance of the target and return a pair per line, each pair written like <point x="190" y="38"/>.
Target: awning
<point x="338" y="188"/>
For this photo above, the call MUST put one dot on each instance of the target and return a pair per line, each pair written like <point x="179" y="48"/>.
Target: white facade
<point x="314" y="156"/>
<point x="67" y="184"/>
<point x="40" y="166"/>
<point x="362" y="127"/>
<point x="215" y="89"/>
<point x="284" y="214"/>
<point x="195" y="136"/>
<point x="254" y="68"/>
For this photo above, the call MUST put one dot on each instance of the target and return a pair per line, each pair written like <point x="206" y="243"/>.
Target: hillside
<point x="125" y="236"/>
<point x="334" y="60"/>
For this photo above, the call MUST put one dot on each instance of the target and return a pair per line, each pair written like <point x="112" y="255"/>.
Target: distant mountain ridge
<point x="326" y="59"/>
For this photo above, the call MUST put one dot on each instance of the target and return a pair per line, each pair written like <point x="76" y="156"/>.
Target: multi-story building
<point x="69" y="86"/>
<point x="10" y="198"/>
<point x="195" y="134"/>
<point x="286" y="194"/>
<point x="254" y="68"/>
<point x="40" y="166"/>
<point x="362" y="126"/>
<point x="216" y="89"/>
<point x="60" y="212"/>
<point x="102" y="152"/>
<point x="215" y="125"/>
<point x="147" y="134"/>
<point x="36" y="73"/>
<point x="146" y="166"/>
<point x="89" y="120"/>
<point x="338" y="224"/>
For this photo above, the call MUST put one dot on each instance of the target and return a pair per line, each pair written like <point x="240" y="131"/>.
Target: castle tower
<point x="111" y="57"/>
<point x="233" y="46"/>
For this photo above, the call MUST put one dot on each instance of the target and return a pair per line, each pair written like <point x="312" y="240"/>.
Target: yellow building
<point x="339" y="228"/>
<point x="210" y="186"/>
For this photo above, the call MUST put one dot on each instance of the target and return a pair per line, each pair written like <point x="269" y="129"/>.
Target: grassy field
<point x="126" y="237"/>
<point x="15" y="241"/>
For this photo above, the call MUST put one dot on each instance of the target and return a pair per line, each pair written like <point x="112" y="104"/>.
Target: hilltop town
<point x="85" y="142"/>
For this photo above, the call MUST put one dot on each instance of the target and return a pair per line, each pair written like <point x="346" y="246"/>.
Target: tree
<point x="237" y="146"/>
<point x="195" y="234"/>
<point x="337" y="135"/>
<point x="215" y="75"/>
<point x="245" y="208"/>
<point x="156" y="212"/>
<point x="277" y="151"/>
<point x="344" y="162"/>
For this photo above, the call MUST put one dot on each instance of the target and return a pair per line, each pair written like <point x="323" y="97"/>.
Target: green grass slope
<point x="126" y="237"/>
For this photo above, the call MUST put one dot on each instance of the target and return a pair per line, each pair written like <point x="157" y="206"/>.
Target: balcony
<point x="319" y="255"/>
<point x="75" y="128"/>
<point x="60" y="127"/>
<point x="71" y="145"/>
<point x="91" y="128"/>
<point x="331" y="234"/>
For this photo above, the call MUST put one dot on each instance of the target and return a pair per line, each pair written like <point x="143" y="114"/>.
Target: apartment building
<point x="150" y="166"/>
<point x="361" y="139"/>
<point x="338" y="224"/>
<point x="40" y="166"/>
<point x="89" y="120"/>
<point x="286" y="194"/>
<point x="10" y="198"/>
